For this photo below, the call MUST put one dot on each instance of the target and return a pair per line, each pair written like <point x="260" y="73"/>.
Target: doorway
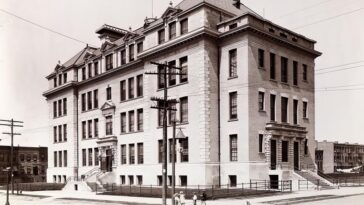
<point x="108" y="160"/>
<point x="273" y="154"/>
<point x="274" y="181"/>
<point x="296" y="157"/>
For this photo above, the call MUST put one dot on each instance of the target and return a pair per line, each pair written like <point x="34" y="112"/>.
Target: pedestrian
<point x="203" y="198"/>
<point x="182" y="198"/>
<point x="176" y="199"/>
<point x="194" y="198"/>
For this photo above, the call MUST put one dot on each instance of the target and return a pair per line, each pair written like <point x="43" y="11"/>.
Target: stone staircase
<point x="315" y="179"/>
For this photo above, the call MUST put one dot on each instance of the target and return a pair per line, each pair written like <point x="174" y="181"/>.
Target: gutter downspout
<point x="219" y="111"/>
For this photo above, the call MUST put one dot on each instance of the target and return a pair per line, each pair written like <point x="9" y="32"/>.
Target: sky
<point x="29" y="53"/>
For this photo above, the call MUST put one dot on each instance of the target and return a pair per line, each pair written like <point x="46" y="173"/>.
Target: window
<point x="184" y="26"/>
<point x="109" y="62"/>
<point x="304" y="72"/>
<point x="172" y="76"/>
<point x="272" y="66"/>
<point x="89" y="70"/>
<point x="161" y="80"/>
<point x="83" y="73"/>
<point x="131" y="53"/>
<point x="90" y="157"/>
<point x="122" y="90"/>
<point x="284" y="111"/>
<point x="172" y="30"/>
<point x="184" y="110"/>
<point x="60" y="158"/>
<point x="233" y="63"/>
<point x="284" y="70"/>
<point x="306" y="147"/>
<point x="131" y="179"/>
<point x="55" y="159"/>
<point x="123" y="154"/>
<point x="84" y="130"/>
<point x="140" y="180"/>
<point x="161" y="36"/>
<point x="160" y="113"/>
<point x="59" y="133"/>
<point x="108" y="93"/>
<point x="233" y="148"/>
<point x="304" y="110"/>
<point x="65" y="163"/>
<point x="232" y="180"/>
<point x="284" y="151"/>
<point x="64" y="106"/>
<point x="89" y="100"/>
<point x="55" y="82"/>
<point x="140" y="47"/>
<point x="183" y="62"/>
<point x="140" y="119"/>
<point x="108" y="125"/>
<point x="89" y="127"/>
<point x="131" y="121"/>
<point x="123" y="57"/>
<point x="123" y="122"/>
<point x="172" y="113"/>
<point x="233" y="106"/>
<point x="60" y="79"/>
<point x="96" y="98"/>
<point x="35" y="158"/>
<point x="183" y="180"/>
<point x="83" y="157"/>
<point x="261" y="58"/>
<point x="160" y="151"/>
<point x="260" y="143"/>
<point x="140" y="153"/>
<point x="122" y="179"/>
<point x="55" y="109"/>
<point x="184" y="146"/>
<point x="29" y="158"/>
<point x="295" y="112"/>
<point x="22" y="157"/>
<point x="295" y="73"/>
<point x="272" y="108"/>
<point x="131" y="88"/>
<point x="96" y="68"/>
<point x="232" y="26"/>
<point x="131" y="154"/>
<point x="64" y="77"/>
<point x="59" y="107"/>
<point x="55" y="134"/>
<point x="139" y="85"/>
<point x="96" y="157"/>
<point x="261" y="101"/>
<point x="83" y="102"/>
<point x="65" y="133"/>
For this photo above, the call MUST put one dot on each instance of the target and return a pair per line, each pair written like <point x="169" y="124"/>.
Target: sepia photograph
<point x="181" y="102"/>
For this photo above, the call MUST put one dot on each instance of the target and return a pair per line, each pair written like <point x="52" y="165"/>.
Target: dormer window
<point x="172" y="30"/>
<point x="83" y="73"/>
<point x="283" y="35"/>
<point x="140" y="47"/>
<point x="60" y="79"/>
<point x="123" y="57"/>
<point x="54" y="82"/>
<point x="271" y="30"/>
<point x="109" y="62"/>
<point x="161" y="36"/>
<point x="131" y="52"/>
<point x="184" y="26"/>
<point x="64" y="77"/>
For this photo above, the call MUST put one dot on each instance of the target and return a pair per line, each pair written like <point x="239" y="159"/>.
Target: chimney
<point x="237" y="3"/>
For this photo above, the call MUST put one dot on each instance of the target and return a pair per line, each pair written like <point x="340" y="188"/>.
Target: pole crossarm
<point x="8" y="133"/>
<point x="166" y="65"/>
<point x="15" y="121"/>
<point x="156" y="107"/>
<point x="12" y="125"/>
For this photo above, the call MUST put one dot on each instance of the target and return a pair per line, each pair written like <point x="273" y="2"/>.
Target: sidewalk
<point x="90" y="196"/>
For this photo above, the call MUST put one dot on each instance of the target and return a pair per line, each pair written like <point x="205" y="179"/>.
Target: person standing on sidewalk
<point x="176" y="199"/>
<point x="203" y="198"/>
<point x="182" y="198"/>
<point x="194" y="198"/>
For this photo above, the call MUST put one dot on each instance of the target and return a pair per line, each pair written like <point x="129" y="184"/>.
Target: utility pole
<point x="164" y="70"/>
<point x="12" y="125"/>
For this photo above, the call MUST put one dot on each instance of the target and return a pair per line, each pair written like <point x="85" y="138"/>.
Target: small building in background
<point x="30" y="163"/>
<point x="333" y="157"/>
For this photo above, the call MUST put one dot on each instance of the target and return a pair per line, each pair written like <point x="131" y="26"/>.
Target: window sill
<point x="173" y="86"/>
<point x="60" y="116"/>
<point x="134" y="132"/>
<point x="305" y="81"/>
<point x="233" y="120"/>
<point x="261" y="153"/>
<point x="261" y="68"/>
<point x="306" y="118"/>
<point x="131" y="99"/>
<point x="262" y="111"/>
<point x="177" y="124"/>
<point x="273" y="80"/>
<point x="96" y="108"/>
<point x="285" y="83"/>
<point x="60" y="142"/>
<point x="232" y="77"/>
<point x="295" y="86"/>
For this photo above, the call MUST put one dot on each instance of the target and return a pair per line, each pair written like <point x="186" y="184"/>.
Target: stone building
<point x="246" y="103"/>
<point x="30" y="163"/>
<point x="332" y="157"/>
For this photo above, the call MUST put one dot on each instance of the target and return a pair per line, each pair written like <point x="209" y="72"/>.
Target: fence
<point x="34" y="186"/>
<point x="254" y="187"/>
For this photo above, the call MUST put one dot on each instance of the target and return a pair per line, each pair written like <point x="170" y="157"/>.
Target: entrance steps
<point x="315" y="179"/>
<point x="73" y="185"/>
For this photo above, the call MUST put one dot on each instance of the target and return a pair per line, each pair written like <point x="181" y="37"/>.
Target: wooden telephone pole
<point x="164" y="70"/>
<point x="12" y="124"/>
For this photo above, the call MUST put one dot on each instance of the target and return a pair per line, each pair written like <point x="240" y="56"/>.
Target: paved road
<point x="348" y="200"/>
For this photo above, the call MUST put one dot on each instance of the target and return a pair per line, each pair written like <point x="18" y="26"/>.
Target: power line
<point x="43" y="27"/>
<point x="327" y="68"/>
<point x="329" y="18"/>
<point x="342" y="69"/>
<point x="300" y="10"/>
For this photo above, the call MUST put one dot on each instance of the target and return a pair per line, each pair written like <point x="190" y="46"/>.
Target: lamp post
<point x="7" y="170"/>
